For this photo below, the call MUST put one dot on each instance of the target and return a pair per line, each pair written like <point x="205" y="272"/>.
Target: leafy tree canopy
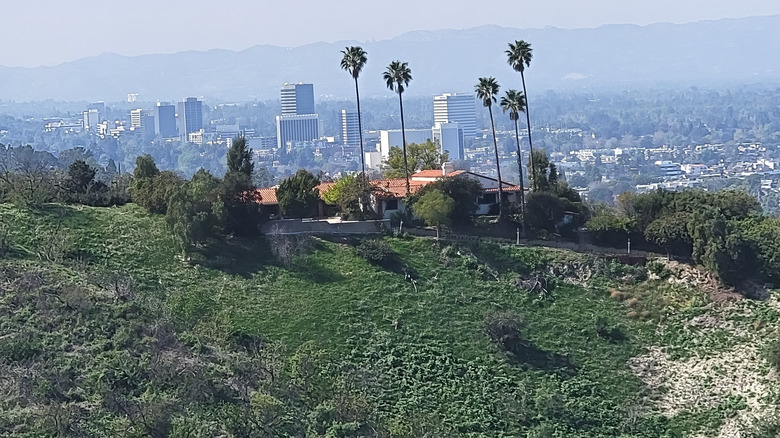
<point x="298" y="194"/>
<point x="435" y="208"/>
<point x="422" y="156"/>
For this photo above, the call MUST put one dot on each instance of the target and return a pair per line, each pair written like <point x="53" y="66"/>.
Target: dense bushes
<point x="32" y="178"/>
<point x="375" y="251"/>
<point x="724" y="231"/>
<point x="462" y="189"/>
<point x="298" y="195"/>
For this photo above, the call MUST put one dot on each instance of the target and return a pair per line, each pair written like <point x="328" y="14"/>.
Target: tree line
<point x="726" y="231"/>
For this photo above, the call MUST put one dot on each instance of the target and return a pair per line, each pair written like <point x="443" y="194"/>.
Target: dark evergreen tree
<point x="298" y="195"/>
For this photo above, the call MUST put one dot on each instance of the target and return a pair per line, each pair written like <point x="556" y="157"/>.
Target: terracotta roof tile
<point x="267" y="196"/>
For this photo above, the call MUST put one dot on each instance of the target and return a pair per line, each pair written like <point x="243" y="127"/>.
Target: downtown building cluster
<point x="298" y="127"/>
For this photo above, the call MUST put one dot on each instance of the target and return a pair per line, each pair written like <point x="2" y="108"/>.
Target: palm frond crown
<point x="397" y="76"/>
<point x="514" y="102"/>
<point x="487" y="89"/>
<point x="354" y="59"/>
<point x="519" y="55"/>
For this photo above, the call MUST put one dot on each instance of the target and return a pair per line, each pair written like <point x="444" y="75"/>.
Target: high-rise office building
<point x="297" y="99"/>
<point x="190" y="117"/>
<point x="449" y="136"/>
<point x="165" y="120"/>
<point x="457" y="108"/>
<point x="298" y="121"/>
<point x="135" y="118"/>
<point x="147" y="126"/>
<point x="294" y="128"/>
<point x="350" y="130"/>
<point x="100" y="107"/>
<point x="91" y="120"/>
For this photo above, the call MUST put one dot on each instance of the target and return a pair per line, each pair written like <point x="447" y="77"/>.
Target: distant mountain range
<point x="710" y="53"/>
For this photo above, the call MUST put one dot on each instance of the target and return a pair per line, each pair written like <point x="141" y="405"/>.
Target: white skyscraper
<point x="135" y="118"/>
<point x="457" y="108"/>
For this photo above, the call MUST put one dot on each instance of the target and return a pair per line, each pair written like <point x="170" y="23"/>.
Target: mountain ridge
<point x="620" y="55"/>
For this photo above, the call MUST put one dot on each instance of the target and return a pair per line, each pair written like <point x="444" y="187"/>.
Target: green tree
<point x="719" y="245"/>
<point x="298" y="194"/>
<point x="763" y="234"/>
<point x="541" y="164"/>
<point x="487" y="89"/>
<point x="545" y="211"/>
<point x="80" y="176"/>
<point x="519" y="57"/>
<point x="347" y="193"/>
<point x="190" y="215"/>
<point x="514" y="102"/>
<point x="608" y="228"/>
<point x="671" y="233"/>
<point x="242" y="212"/>
<point x="419" y="156"/>
<point x="353" y="61"/>
<point x="239" y="158"/>
<point x="152" y="188"/>
<point x="145" y="167"/>
<point x="397" y="77"/>
<point x="153" y="193"/>
<point x="435" y="208"/>
<point x="463" y="190"/>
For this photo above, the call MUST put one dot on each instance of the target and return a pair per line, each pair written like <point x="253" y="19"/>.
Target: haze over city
<point x="49" y="32"/>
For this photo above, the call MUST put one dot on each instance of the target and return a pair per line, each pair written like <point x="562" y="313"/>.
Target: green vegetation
<point x="419" y="156"/>
<point x="725" y="231"/>
<point x="435" y="208"/>
<point x="109" y="334"/>
<point x="463" y="191"/>
<point x="348" y="193"/>
<point x="298" y="195"/>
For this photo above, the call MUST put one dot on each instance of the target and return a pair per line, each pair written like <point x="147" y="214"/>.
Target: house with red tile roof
<point x="388" y="195"/>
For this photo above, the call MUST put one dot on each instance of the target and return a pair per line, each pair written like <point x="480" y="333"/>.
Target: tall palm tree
<point x="487" y="89"/>
<point x="397" y="77"/>
<point x="519" y="57"/>
<point x="353" y="61"/>
<point x="514" y="102"/>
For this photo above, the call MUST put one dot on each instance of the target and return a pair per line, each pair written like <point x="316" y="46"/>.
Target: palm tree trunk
<point x="363" y="177"/>
<point x="498" y="167"/>
<point x="403" y="139"/>
<point x="520" y="168"/>
<point x="530" y="143"/>
<point x="360" y="129"/>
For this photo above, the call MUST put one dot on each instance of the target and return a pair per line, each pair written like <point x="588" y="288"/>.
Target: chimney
<point x="447" y="168"/>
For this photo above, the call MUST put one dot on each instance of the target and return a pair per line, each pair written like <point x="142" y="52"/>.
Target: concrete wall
<point x="299" y="226"/>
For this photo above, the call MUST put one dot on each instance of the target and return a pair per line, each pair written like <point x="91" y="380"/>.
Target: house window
<point x="391" y="204"/>
<point x="487" y="198"/>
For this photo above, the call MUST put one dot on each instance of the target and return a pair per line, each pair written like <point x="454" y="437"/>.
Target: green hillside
<point x="104" y="331"/>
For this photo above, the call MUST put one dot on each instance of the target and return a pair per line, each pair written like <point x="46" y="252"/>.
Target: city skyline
<point x="59" y="30"/>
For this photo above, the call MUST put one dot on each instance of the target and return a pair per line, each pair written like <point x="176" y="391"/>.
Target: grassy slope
<point x="422" y="353"/>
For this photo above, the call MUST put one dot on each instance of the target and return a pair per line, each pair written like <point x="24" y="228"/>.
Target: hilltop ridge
<point x="707" y="53"/>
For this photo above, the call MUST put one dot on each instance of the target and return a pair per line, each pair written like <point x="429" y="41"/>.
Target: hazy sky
<point x="48" y="32"/>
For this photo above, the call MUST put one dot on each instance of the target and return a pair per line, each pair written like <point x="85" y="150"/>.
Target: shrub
<point x="298" y="195"/>
<point x="658" y="269"/>
<point x="373" y="250"/>
<point x="773" y="354"/>
<point x="603" y="329"/>
<point x="285" y="247"/>
<point x="505" y="329"/>
<point x="6" y="240"/>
